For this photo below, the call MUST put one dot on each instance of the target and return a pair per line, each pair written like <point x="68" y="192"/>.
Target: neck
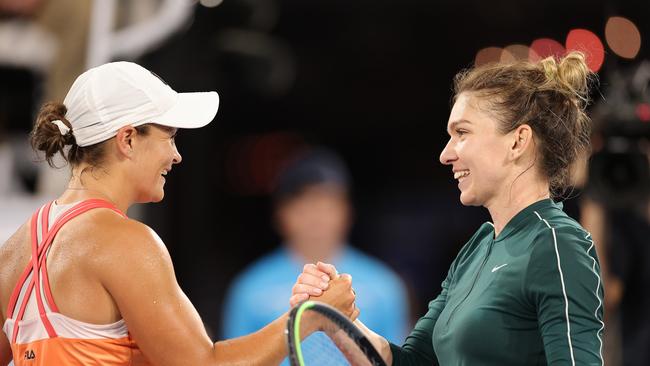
<point x="88" y="182"/>
<point x="523" y="192"/>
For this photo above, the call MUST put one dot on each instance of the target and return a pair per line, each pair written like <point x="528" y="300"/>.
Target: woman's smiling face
<point x="476" y="151"/>
<point x="155" y="159"/>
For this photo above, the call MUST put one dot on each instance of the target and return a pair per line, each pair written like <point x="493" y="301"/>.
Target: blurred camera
<point x="619" y="168"/>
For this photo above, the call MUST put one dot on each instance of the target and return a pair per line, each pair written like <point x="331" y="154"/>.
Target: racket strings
<point x="333" y="339"/>
<point x="331" y="346"/>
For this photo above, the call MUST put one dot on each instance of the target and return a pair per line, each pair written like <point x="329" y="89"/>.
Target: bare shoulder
<point x="118" y="231"/>
<point x="14" y="255"/>
<point x="134" y="266"/>
<point x="127" y="245"/>
<point x="15" y="249"/>
<point x="9" y="247"/>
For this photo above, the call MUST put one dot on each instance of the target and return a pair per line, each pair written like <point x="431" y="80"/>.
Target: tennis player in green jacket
<point x="526" y="288"/>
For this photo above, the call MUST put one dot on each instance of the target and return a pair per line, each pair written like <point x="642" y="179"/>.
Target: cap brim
<point x="192" y="110"/>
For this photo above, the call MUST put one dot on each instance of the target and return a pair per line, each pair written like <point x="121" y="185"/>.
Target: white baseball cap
<point x="108" y="97"/>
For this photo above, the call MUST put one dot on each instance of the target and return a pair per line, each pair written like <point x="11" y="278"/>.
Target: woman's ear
<point x="522" y="138"/>
<point x="125" y="140"/>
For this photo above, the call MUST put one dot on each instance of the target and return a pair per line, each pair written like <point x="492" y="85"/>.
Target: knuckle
<point x="310" y="279"/>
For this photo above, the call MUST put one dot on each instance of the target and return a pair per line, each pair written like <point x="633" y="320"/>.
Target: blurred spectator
<point x="313" y="214"/>
<point x="616" y="211"/>
<point x="621" y="238"/>
<point x="44" y="46"/>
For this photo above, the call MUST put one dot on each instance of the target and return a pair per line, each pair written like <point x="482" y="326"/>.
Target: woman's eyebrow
<point x="454" y="124"/>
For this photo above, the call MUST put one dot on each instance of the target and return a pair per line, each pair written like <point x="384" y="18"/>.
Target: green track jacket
<point x="533" y="296"/>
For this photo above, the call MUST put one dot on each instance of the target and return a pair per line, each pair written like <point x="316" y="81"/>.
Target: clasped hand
<point x="322" y="282"/>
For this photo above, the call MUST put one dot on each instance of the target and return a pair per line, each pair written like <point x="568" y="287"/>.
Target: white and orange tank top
<point x="38" y="333"/>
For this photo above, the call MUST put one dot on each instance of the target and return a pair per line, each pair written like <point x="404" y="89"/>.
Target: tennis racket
<point x="336" y="340"/>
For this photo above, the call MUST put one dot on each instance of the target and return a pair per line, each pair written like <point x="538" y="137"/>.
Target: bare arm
<point x="252" y="350"/>
<point x="380" y="343"/>
<point x="139" y="276"/>
<point x="5" y="350"/>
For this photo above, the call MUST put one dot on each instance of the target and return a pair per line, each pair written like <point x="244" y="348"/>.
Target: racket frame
<point x="294" y="337"/>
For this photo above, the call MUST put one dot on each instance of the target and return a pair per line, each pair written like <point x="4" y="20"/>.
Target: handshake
<point x="322" y="281"/>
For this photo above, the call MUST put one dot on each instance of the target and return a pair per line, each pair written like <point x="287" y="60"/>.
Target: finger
<point x="297" y="299"/>
<point x="346" y="277"/>
<point x="299" y="288"/>
<point x="311" y="280"/>
<point x="313" y="270"/>
<point x="329" y="269"/>
<point x="355" y="314"/>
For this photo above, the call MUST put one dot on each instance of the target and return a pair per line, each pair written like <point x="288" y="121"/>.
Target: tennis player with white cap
<point x="101" y="289"/>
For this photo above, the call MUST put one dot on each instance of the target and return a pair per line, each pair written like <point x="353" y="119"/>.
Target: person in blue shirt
<point x="313" y="216"/>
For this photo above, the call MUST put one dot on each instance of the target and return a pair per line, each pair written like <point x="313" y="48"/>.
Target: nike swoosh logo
<point x="499" y="267"/>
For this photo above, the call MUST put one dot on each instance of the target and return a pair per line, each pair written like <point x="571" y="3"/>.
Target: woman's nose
<point x="448" y="155"/>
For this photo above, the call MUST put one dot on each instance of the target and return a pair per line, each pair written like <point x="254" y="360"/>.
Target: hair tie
<point x="63" y="128"/>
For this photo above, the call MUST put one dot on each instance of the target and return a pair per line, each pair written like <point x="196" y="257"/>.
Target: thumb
<point x="328" y="268"/>
<point x="346" y="276"/>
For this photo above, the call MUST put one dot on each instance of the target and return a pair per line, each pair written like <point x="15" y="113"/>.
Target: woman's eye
<point x="461" y="132"/>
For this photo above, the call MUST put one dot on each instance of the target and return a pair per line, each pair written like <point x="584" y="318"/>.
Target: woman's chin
<point x="158" y="197"/>
<point x="152" y="197"/>
<point x="468" y="199"/>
